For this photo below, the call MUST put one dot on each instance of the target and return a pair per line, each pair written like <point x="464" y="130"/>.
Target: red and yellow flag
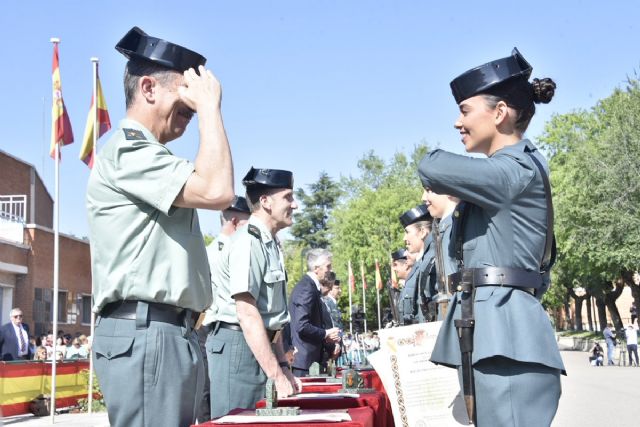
<point x="394" y="277"/>
<point x="378" y="277"/>
<point x="352" y="279"/>
<point x="104" y="124"/>
<point x="61" y="132"/>
<point x="364" y="280"/>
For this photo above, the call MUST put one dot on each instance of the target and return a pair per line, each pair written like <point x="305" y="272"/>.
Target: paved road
<point x="607" y="396"/>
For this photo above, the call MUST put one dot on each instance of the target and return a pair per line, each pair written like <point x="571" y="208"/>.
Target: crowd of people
<point x="17" y="344"/>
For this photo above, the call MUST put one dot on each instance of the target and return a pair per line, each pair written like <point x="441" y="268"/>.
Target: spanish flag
<point x="364" y="280"/>
<point x="352" y="279"/>
<point x="394" y="277"/>
<point x="61" y="132"/>
<point x="104" y="124"/>
<point x="378" y="277"/>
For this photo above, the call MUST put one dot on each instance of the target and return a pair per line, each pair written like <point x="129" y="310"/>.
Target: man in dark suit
<point x="14" y="338"/>
<point x="307" y="331"/>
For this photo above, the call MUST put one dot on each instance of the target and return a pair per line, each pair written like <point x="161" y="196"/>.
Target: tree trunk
<point x="610" y="301"/>
<point x="628" y="278"/>
<point x="589" y="317"/>
<point x="578" y="304"/>
<point x="567" y="312"/>
<point x="602" y="312"/>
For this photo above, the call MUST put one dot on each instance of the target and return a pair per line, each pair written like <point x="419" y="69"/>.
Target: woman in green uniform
<point x="508" y="358"/>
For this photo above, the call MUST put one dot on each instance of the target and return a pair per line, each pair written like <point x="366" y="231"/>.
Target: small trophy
<point x="328" y="372"/>
<point x="353" y="382"/>
<point x="271" y="408"/>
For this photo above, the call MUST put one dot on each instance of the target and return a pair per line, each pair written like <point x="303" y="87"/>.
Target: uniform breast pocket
<point x="274" y="276"/>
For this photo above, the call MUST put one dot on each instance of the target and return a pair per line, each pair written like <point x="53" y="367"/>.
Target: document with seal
<point x="421" y="393"/>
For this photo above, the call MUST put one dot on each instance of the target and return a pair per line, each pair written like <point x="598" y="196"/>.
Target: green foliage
<point x="98" y="404"/>
<point x="310" y="223"/>
<point x="595" y="177"/>
<point x="365" y="226"/>
<point x="295" y="261"/>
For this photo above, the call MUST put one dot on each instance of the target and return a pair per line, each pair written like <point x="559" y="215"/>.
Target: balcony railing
<point x="13" y="208"/>
<point x="13" y="215"/>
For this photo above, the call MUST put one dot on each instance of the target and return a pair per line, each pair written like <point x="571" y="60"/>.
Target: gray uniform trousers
<point x="237" y="381"/>
<point x="152" y="376"/>
<point x="502" y="385"/>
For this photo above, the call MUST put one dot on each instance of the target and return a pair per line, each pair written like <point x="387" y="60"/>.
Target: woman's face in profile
<point x="476" y="124"/>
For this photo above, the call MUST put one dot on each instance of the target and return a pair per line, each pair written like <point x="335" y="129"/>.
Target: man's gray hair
<point x="137" y="68"/>
<point x="316" y="257"/>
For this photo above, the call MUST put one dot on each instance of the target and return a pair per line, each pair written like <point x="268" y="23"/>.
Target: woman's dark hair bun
<point x="543" y="90"/>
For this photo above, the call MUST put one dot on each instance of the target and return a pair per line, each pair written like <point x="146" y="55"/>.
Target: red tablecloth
<point x="376" y="401"/>
<point x="360" y="417"/>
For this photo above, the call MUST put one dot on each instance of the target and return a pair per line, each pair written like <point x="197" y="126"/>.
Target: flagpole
<point x="350" y="301"/>
<point x="96" y="129"/>
<point x="364" y="300"/>
<point x="56" y="272"/>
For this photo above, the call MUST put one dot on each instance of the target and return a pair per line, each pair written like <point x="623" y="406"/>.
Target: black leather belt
<point x="507" y="277"/>
<point x="156" y="312"/>
<point x="271" y="334"/>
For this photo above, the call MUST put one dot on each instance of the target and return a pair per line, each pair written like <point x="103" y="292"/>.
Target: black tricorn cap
<point x="399" y="254"/>
<point x="419" y="213"/>
<point x="137" y="44"/>
<point x="239" y="204"/>
<point x="479" y="79"/>
<point x="273" y="178"/>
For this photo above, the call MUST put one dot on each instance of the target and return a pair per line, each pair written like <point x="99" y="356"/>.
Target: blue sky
<point x="307" y="85"/>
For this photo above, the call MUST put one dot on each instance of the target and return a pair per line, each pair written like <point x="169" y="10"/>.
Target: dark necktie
<point x="23" y="343"/>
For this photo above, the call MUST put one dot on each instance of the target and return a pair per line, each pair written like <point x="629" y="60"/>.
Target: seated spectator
<point x="40" y="354"/>
<point x="76" y="351"/>
<point x="597" y="355"/>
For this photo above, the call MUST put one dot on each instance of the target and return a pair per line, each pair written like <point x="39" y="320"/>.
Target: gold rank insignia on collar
<point x="254" y="231"/>
<point x="133" y="134"/>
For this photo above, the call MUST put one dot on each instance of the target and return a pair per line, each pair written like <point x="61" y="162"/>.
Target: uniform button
<point x="108" y="354"/>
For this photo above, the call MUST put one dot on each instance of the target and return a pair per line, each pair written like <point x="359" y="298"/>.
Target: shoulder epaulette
<point x="254" y="231"/>
<point x="133" y="134"/>
<point x="220" y="245"/>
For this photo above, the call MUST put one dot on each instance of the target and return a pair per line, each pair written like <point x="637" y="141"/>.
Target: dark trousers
<point x="204" y="411"/>
<point x="299" y="372"/>
<point x="632" y="349"/>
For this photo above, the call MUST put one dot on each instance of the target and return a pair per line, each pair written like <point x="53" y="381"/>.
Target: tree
<point x="365" y="226"/>
<point x="310" y="223"/>
<point x="597" y="193"/>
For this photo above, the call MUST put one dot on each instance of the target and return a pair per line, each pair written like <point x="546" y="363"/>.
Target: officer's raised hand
<point x="200" y="92"/>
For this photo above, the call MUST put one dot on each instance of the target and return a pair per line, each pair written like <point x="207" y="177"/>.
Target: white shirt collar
<point x="314" y="278"/>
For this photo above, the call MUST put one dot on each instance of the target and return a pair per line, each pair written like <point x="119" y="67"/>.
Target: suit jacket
<point x="9" y="342"/>
<point x="307" y="330"/>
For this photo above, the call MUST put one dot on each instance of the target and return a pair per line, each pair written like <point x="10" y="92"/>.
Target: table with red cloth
<point x="371" y="379"/>
<point x="360" y="417"/>
<point x="376" y="400"/>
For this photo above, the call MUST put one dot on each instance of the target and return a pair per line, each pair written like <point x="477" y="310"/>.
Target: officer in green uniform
<point x="244" y="347"/>
<point x="417" y="225"/>
<point x="149" y="265"/>
<point x="232" y="218"/>
<point x="496" y="332"/>
<point x="441" y="208"/>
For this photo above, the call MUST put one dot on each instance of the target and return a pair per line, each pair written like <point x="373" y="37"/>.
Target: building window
<point x="62" y="306"/>
<point x="86" y="309"/>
